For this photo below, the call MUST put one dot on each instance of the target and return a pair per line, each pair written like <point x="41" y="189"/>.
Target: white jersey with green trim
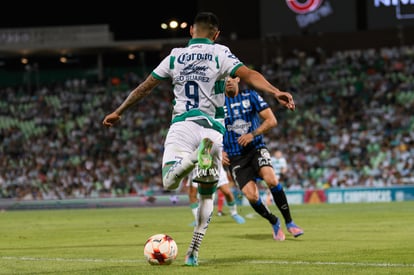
<point x="198" y="74"/>
<point x="278" y="165"/>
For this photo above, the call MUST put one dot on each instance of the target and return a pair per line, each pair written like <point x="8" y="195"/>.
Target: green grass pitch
<point x="368" y="238"/>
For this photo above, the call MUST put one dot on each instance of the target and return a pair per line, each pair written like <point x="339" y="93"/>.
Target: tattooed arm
<point x="141" y="91"/>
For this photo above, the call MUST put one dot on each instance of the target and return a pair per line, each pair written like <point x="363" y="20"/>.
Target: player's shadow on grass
<point x="259" y="237"/>
<point x="229" y="260"/>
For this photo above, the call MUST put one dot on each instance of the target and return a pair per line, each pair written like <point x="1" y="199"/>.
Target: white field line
<point x="246" y="262"/>
<point x="35" y="259"/>
<point x="332" y="263"/>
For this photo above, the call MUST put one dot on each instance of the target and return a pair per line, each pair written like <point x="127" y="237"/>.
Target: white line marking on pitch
<point x="332" y="263"/>
<point x="68" y="260"/>
<point x="249" y="262"/>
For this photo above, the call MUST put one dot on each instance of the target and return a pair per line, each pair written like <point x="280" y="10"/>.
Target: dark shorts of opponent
<point x="246" y="167"/>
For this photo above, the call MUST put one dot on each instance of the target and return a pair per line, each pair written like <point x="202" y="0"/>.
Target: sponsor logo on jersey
<point x="239" y="126"/>
<point x="188" y="57"/>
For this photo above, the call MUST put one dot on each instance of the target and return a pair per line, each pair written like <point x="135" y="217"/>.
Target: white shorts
<point x="184" y="137"/>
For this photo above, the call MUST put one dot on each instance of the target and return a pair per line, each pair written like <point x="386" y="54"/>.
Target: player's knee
<point x="272" y="183"/>
<point x="251" y="197"/>
<point x="169" y="180"/>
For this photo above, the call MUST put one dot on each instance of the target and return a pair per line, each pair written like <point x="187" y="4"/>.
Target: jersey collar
<point x="200" y="41"/>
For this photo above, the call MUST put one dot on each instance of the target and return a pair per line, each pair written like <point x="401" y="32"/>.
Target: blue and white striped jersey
<point x="242" y="117"/>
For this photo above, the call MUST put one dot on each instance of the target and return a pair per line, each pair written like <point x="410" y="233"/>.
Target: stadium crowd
<point x="353" y="127"/>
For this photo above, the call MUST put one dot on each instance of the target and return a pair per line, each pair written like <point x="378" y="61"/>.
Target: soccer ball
<point x="160" y="249"/>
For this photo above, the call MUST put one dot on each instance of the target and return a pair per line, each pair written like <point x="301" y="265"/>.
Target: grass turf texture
<point x="371" y="238"/>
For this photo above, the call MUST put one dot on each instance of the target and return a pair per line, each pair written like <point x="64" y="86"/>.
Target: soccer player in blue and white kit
<point x="194" y="141"/>
<point x="248" y="116"/>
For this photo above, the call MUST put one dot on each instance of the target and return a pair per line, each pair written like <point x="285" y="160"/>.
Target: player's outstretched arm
<point x="141" y="91"/>
<point x="259" y="82"/>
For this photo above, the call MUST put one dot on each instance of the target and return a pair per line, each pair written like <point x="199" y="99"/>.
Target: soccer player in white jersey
<point x="197" y="73"/>
<point x="279" y="164"/>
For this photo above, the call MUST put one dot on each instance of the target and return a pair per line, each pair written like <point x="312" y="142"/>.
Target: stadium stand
<point x="353" y="127"/>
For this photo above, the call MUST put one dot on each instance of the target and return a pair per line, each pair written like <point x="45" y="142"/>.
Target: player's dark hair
<point x="207" y="19"/>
